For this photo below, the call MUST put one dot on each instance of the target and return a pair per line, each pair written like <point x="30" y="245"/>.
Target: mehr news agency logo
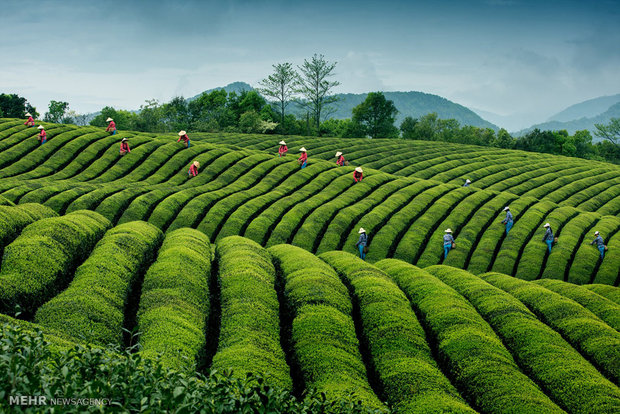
<point x="42" y="400"/>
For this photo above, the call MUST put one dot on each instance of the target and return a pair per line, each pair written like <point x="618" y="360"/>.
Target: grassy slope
<point x="410" y="193"/>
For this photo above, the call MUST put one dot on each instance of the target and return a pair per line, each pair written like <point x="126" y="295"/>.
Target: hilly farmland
<point x="250" y="268"/>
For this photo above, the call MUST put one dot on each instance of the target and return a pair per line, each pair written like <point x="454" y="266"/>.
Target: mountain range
<point x="414" y="104"/>
<point x="583" y="115"/>
<point x="580" y="116"/>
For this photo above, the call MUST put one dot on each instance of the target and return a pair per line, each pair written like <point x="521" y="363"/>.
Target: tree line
<point x="309" y="88"/>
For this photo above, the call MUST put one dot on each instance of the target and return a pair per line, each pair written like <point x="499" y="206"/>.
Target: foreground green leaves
<point x="125" y="382"/>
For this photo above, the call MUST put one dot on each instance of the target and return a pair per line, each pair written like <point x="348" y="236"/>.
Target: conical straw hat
<point x="361" y="230"/>
<point x="40" y="127"/>
<point x="109" y="119"/>
<point x="196" y="164"/>
<point x="28" y="114"/>
<point x="282" y="143"/>
<point x="302" y="149"/>
<point x="448" y="231"/>
<point x="338" y="154"/>
<point x="359" y="169"/>
<point x="181" y="133"/>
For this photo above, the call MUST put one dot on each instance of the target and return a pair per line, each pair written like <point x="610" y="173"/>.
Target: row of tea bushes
<point x="249" y="338"/>
<point x="407" y="372"/>
<point x="174" y="303"/>
<point x="93" y="307"/>
<point x="41" y="260"/>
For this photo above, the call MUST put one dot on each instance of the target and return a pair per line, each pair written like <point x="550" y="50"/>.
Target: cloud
<point x="358" y="73"/>
<point x="501" y="2"/>
<point x="597" y="51"/>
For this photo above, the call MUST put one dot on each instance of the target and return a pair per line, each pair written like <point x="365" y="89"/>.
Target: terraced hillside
<point x="399" y="337"/>
<point x="410" y="193"/>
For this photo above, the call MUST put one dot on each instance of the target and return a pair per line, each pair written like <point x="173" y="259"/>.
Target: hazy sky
<point x="520" y="58"/>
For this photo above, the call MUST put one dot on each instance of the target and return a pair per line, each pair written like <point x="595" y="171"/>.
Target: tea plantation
<point x="122" y="276"/>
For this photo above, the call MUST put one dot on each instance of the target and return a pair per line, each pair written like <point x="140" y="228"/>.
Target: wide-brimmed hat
<point x="196" y="164"/>
<point x="28" y="114"/>
<point x="468" y="180"/>
<point x="109" y="119"/>
<point x="302" y="149"/>
<point x="596" y="233"/>
<point x="361" y="230"/>
<point x="506" y="208"/>
<point x="359" y="169"/>
<point x="181" y="133"/>
<point x="547" y="225"/>
<point x="448" y="231"/>
<point x="40" y="127"/>
<point x="282" y="143"/>
<point x="124" y="139"/>
<point x="338" y="154"/>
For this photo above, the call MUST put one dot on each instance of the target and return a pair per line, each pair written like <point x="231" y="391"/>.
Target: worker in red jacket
<point x="358" y="174"/>
<point x="30" y="121"/>
<point x="283" y="149"/>
<point x="340" y="159"/>
<point x="42" y="134"/>
<point x="193" y="169"/>
<point x="303" y="158"/>
<point x="111" y="126"/>
<point x="124" y="146"/>
<point x="183" y="137"/>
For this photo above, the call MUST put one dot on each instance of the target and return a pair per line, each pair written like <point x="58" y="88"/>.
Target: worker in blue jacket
<point x="548" y="237"/>
<point x="362" y="242"/>
<point x="600" y="243"/>
<point x="467" y="182"/>
<point x="508" y="221"/>
<point x="448" y="241"/>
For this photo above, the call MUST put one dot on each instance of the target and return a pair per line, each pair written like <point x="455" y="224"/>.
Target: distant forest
<point x="309" y="90"/>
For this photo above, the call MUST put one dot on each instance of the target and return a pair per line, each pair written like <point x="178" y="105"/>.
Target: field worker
<point x="362" y="242"/>
<point x="548" y="237"/>
<point x="30" y="121"/>
<point x="42" y="134"/>
<point x="303" y="158"/>
<point x="283" y="149"/>
<point x="183" y="137"/>
<point x="111" y="126"/>
<point x="340" y="159"/>
<point x="358" y="174"/>
<point x="467" y="182"/>
<point x="193" y="169"/>
<point x="448" y="241"/>
<point x="124" y="146"/>
<point x="600" y="243"/>
<point x="508" y="220"/>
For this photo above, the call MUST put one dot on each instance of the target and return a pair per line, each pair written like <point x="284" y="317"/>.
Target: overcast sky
<point x="523" y="58"/>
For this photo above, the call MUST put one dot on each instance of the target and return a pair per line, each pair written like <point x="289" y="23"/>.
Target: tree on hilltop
<point x="281" y="86"/>
<point x="15" y="106"/>
<point x="610" y="131"/>
<point x="124" y="119"/>
<point x="315" y="87"/>
<point x="407" y="127"/>
<point x="375" y="116"/>
<point x="56" y="111"/>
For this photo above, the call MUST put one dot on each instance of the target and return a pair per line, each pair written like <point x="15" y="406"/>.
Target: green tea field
<point x="251" y="267"/>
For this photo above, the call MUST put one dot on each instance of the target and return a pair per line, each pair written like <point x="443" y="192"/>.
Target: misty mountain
<point x="414" y="104"/>
<point x="586" y="109"/>
<point x="236" y="87"/>
<point x="578" y="124"/>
